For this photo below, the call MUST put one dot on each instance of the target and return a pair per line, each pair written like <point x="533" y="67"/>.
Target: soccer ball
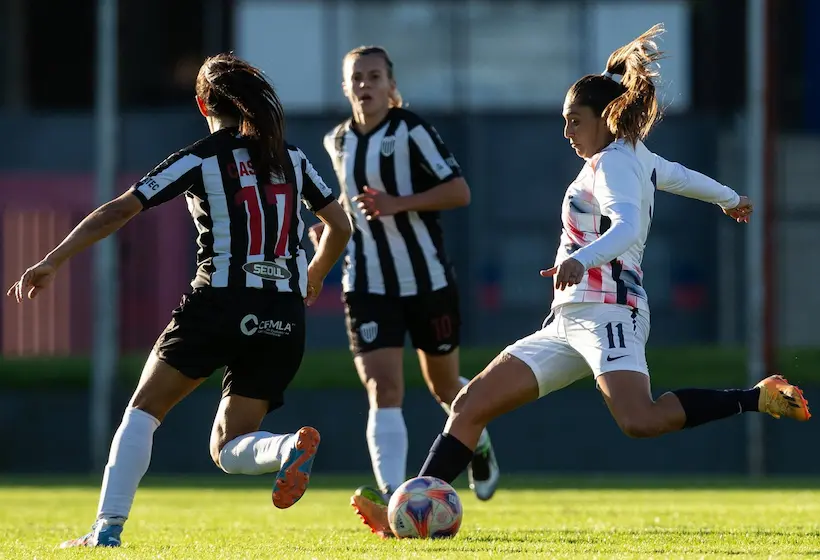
<point x="424" y="508"/>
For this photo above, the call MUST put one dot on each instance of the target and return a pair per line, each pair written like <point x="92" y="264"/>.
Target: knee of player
<point x="217" y="446"/>
<point x="639" y="426"/>
<point x="216" y="449"/>
<point x="467" y="407"/>
<point x="385" y="390"/>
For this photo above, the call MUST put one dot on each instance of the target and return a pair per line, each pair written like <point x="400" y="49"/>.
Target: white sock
<point x="128" y="462"/>
<point x="387" y="442"/>
<point x="484" y="438"/>
<point x="255" y="453"/>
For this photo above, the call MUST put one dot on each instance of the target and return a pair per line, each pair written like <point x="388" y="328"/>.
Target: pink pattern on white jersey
<point x="619" y="281"/>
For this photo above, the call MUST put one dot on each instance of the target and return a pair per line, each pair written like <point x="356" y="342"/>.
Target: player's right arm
<point x="169" y="179"/>
<point x="330" y="243"/>
<point x="316" y="231"/>
<point x="99" y="224"/>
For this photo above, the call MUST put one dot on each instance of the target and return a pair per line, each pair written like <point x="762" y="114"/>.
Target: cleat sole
<point x="292" y="480"/>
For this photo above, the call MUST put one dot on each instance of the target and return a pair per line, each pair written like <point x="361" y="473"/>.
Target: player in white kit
<point x="599" y="321"/>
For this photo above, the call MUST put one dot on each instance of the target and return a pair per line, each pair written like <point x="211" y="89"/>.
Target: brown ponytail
<point x="229" y="86"/>
<point x="631" y="106"/>
<point x="632" y="114"/>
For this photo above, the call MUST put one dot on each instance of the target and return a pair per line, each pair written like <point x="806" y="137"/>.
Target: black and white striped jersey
<point x="401" y="255"/>
<point x="249" y="229"/>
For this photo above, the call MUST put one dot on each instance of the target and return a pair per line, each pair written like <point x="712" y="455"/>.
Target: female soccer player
<point x="395" y="175"/>
<point x="246" y="311"/>
<point x="599" y="322"/>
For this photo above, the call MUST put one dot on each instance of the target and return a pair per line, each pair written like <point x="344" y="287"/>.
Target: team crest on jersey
<point x="388" y="145"/>
<point x="368" y="331"/>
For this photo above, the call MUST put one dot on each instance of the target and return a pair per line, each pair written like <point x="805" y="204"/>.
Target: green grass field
<point x="232" y="518"/>
<point x="670" y="367"/>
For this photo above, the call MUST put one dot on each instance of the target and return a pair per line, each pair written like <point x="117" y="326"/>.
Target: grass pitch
<point x="232" y="518"/>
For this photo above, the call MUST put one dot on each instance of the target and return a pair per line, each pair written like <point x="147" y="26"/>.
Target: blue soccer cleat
<point x="102" y="534"/>
<point x="294" y="474"/>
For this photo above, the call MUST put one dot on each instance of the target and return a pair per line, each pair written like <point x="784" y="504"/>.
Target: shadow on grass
<point x="509" y="482"/>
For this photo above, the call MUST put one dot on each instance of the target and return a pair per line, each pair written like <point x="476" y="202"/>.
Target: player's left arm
<point x="442" y="186"/>
<point x="677" y="179"/>
<point x="446" y="187"/>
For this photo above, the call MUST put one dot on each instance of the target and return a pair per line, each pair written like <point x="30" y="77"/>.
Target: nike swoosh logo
<point x="611" y="359"/>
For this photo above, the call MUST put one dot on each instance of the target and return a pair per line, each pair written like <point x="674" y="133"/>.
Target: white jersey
<point x="607" y="212"/>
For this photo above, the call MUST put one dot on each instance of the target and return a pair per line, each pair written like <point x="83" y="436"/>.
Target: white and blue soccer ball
<point x="424" y="507"/>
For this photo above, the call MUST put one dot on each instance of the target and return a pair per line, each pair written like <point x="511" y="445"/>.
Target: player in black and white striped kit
<point x="246" y="311"/>
<point x="395" y="175"/>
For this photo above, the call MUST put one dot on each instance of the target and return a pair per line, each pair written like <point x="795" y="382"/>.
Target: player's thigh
<point x="609" y="337"/>
<point x="376" y="331"/>
<point x="553" y="362"/>
<point x="382" y="375"/>
<point x="628" y="396"/>
<point x="504" y="385"/>
<point x="267" y="344"/>
<point x="192" y="341"/>
<point x="434" y="321"/>
<point x="236" y="416"/>
<point x="161" y="387"/>
<point x="185" y="353"/>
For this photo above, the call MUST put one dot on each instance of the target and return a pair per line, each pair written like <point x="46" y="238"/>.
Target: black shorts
<point x="256" y="335"/>
<point x="375" y="321"/>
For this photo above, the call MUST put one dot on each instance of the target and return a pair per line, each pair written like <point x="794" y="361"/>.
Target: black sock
<point x="707" y="405"/>
<point x="447" y="459"/>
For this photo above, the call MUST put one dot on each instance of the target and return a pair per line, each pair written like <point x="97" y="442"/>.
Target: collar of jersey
<point x="614" y="145"/>
<point x="385" y="120"/>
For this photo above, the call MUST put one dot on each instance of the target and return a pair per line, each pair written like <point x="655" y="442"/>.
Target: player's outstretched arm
<point x="99" y="224"/>
<point x="677" y="179"/>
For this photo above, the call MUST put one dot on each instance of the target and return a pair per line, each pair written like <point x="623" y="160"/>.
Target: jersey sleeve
<point x="430" y="155"/>
<point x="676" y="179"/>
<point x="621" y="235"/>
<point x="315" y="193"/>
<point x="617" y="189"/>
<point x="178" y="173"/>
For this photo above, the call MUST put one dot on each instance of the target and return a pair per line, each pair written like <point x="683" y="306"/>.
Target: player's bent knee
<point x="222" y="456"/>
<point x="385" y="391"/>
<point x="226" y="462"/>
<point x="216" y="449"/>
<point x="467" y="407"/>
<point x="639" y="427"/>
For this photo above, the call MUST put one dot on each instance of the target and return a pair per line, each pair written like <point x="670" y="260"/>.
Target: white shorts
<point x="578" y="339"/>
